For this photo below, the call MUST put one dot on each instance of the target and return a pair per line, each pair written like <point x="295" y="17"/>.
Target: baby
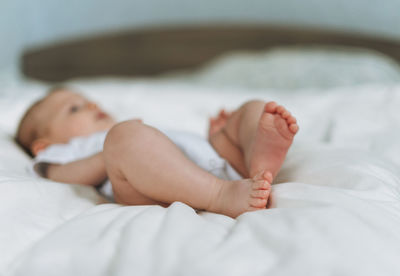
<point x="74" y="141"/>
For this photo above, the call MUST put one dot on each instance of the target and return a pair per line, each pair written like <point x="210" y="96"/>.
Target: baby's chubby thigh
<point x="124" y="146"/>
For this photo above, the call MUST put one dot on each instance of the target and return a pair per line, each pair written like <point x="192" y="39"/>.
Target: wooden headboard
<point x="155" y="51"/>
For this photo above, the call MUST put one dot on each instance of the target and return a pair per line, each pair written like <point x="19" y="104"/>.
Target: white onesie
<point x="195" y="147"/>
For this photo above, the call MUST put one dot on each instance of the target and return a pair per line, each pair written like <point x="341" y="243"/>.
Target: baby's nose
<point x="92" y="105"/>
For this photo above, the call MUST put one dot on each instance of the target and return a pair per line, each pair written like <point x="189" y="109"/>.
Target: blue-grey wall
<point x="25" y="23"/>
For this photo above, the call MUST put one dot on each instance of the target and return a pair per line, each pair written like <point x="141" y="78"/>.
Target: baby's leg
<point x="145" y="167"/>
<point x="263" y="134"/>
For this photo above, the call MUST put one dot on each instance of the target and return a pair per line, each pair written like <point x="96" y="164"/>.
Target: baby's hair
<point x="34" y="133"/>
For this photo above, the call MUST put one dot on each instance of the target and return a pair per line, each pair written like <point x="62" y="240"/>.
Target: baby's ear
<point x="38" y="145"/>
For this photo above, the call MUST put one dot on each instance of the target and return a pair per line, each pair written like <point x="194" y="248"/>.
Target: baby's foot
<point x="217" y="123"/>
<point x="236" y="197"/>
<point x="274" y="136"/>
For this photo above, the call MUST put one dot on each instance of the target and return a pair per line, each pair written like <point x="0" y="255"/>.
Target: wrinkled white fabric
<point x="338" y="211"/>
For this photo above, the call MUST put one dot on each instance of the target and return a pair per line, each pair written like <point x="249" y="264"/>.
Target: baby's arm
<point x="88" y="171"/>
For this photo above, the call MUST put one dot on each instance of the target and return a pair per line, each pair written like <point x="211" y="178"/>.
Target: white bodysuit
<point x="195" y="147"/>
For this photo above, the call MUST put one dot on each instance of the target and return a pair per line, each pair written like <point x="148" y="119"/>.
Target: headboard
<point x="151" y="52"/>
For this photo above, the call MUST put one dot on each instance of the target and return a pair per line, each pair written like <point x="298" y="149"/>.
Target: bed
<point x="336" y="199"/>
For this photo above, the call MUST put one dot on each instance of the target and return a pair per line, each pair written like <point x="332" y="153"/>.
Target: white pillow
<point x="298" y="68"/>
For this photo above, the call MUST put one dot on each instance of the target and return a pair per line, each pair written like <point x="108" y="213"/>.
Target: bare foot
<point x="274" y="136"/>
<point x="236" y="197"/>
<point x="217" y="123"/>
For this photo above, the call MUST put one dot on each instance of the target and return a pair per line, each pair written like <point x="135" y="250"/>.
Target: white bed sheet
<point x="337" y="198"/>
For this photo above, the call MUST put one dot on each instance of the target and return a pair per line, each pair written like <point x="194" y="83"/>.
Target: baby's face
<point x="65" y="114"/>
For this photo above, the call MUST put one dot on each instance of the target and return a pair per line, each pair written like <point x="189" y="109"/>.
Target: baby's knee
<point x="124" y="135"/>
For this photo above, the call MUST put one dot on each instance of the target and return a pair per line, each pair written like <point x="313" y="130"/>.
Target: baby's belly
<point x="200" y="151"/>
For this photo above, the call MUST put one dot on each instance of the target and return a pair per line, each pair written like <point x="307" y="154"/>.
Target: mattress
<point x="336" y="199"/>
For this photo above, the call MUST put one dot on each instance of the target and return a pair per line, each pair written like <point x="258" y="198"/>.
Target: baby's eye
<point x="74" y="108"/>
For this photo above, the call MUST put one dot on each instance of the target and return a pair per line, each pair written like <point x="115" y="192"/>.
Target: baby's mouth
<point x="102" y="115"/>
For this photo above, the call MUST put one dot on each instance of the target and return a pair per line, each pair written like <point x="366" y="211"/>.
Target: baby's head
<point x="58" y="117"/>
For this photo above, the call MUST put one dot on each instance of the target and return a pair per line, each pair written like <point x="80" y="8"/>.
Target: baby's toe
<point x="280" y="109"/>
<point x="291" y="120"/>
<point x="294" y="128"/>
<point x="271" y="107"/>
<point x="260" y="185"/>
<point x="258" y="202"/>
<point x="268" y="176"/>
<point x="263" y="175"/>
<point x="286" y="114"/>
<point x="260" y="193"/>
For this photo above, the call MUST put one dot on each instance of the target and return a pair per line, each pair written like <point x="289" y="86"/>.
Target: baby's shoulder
<point x="92" y="140"/>
<point x="77" y="148"/>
